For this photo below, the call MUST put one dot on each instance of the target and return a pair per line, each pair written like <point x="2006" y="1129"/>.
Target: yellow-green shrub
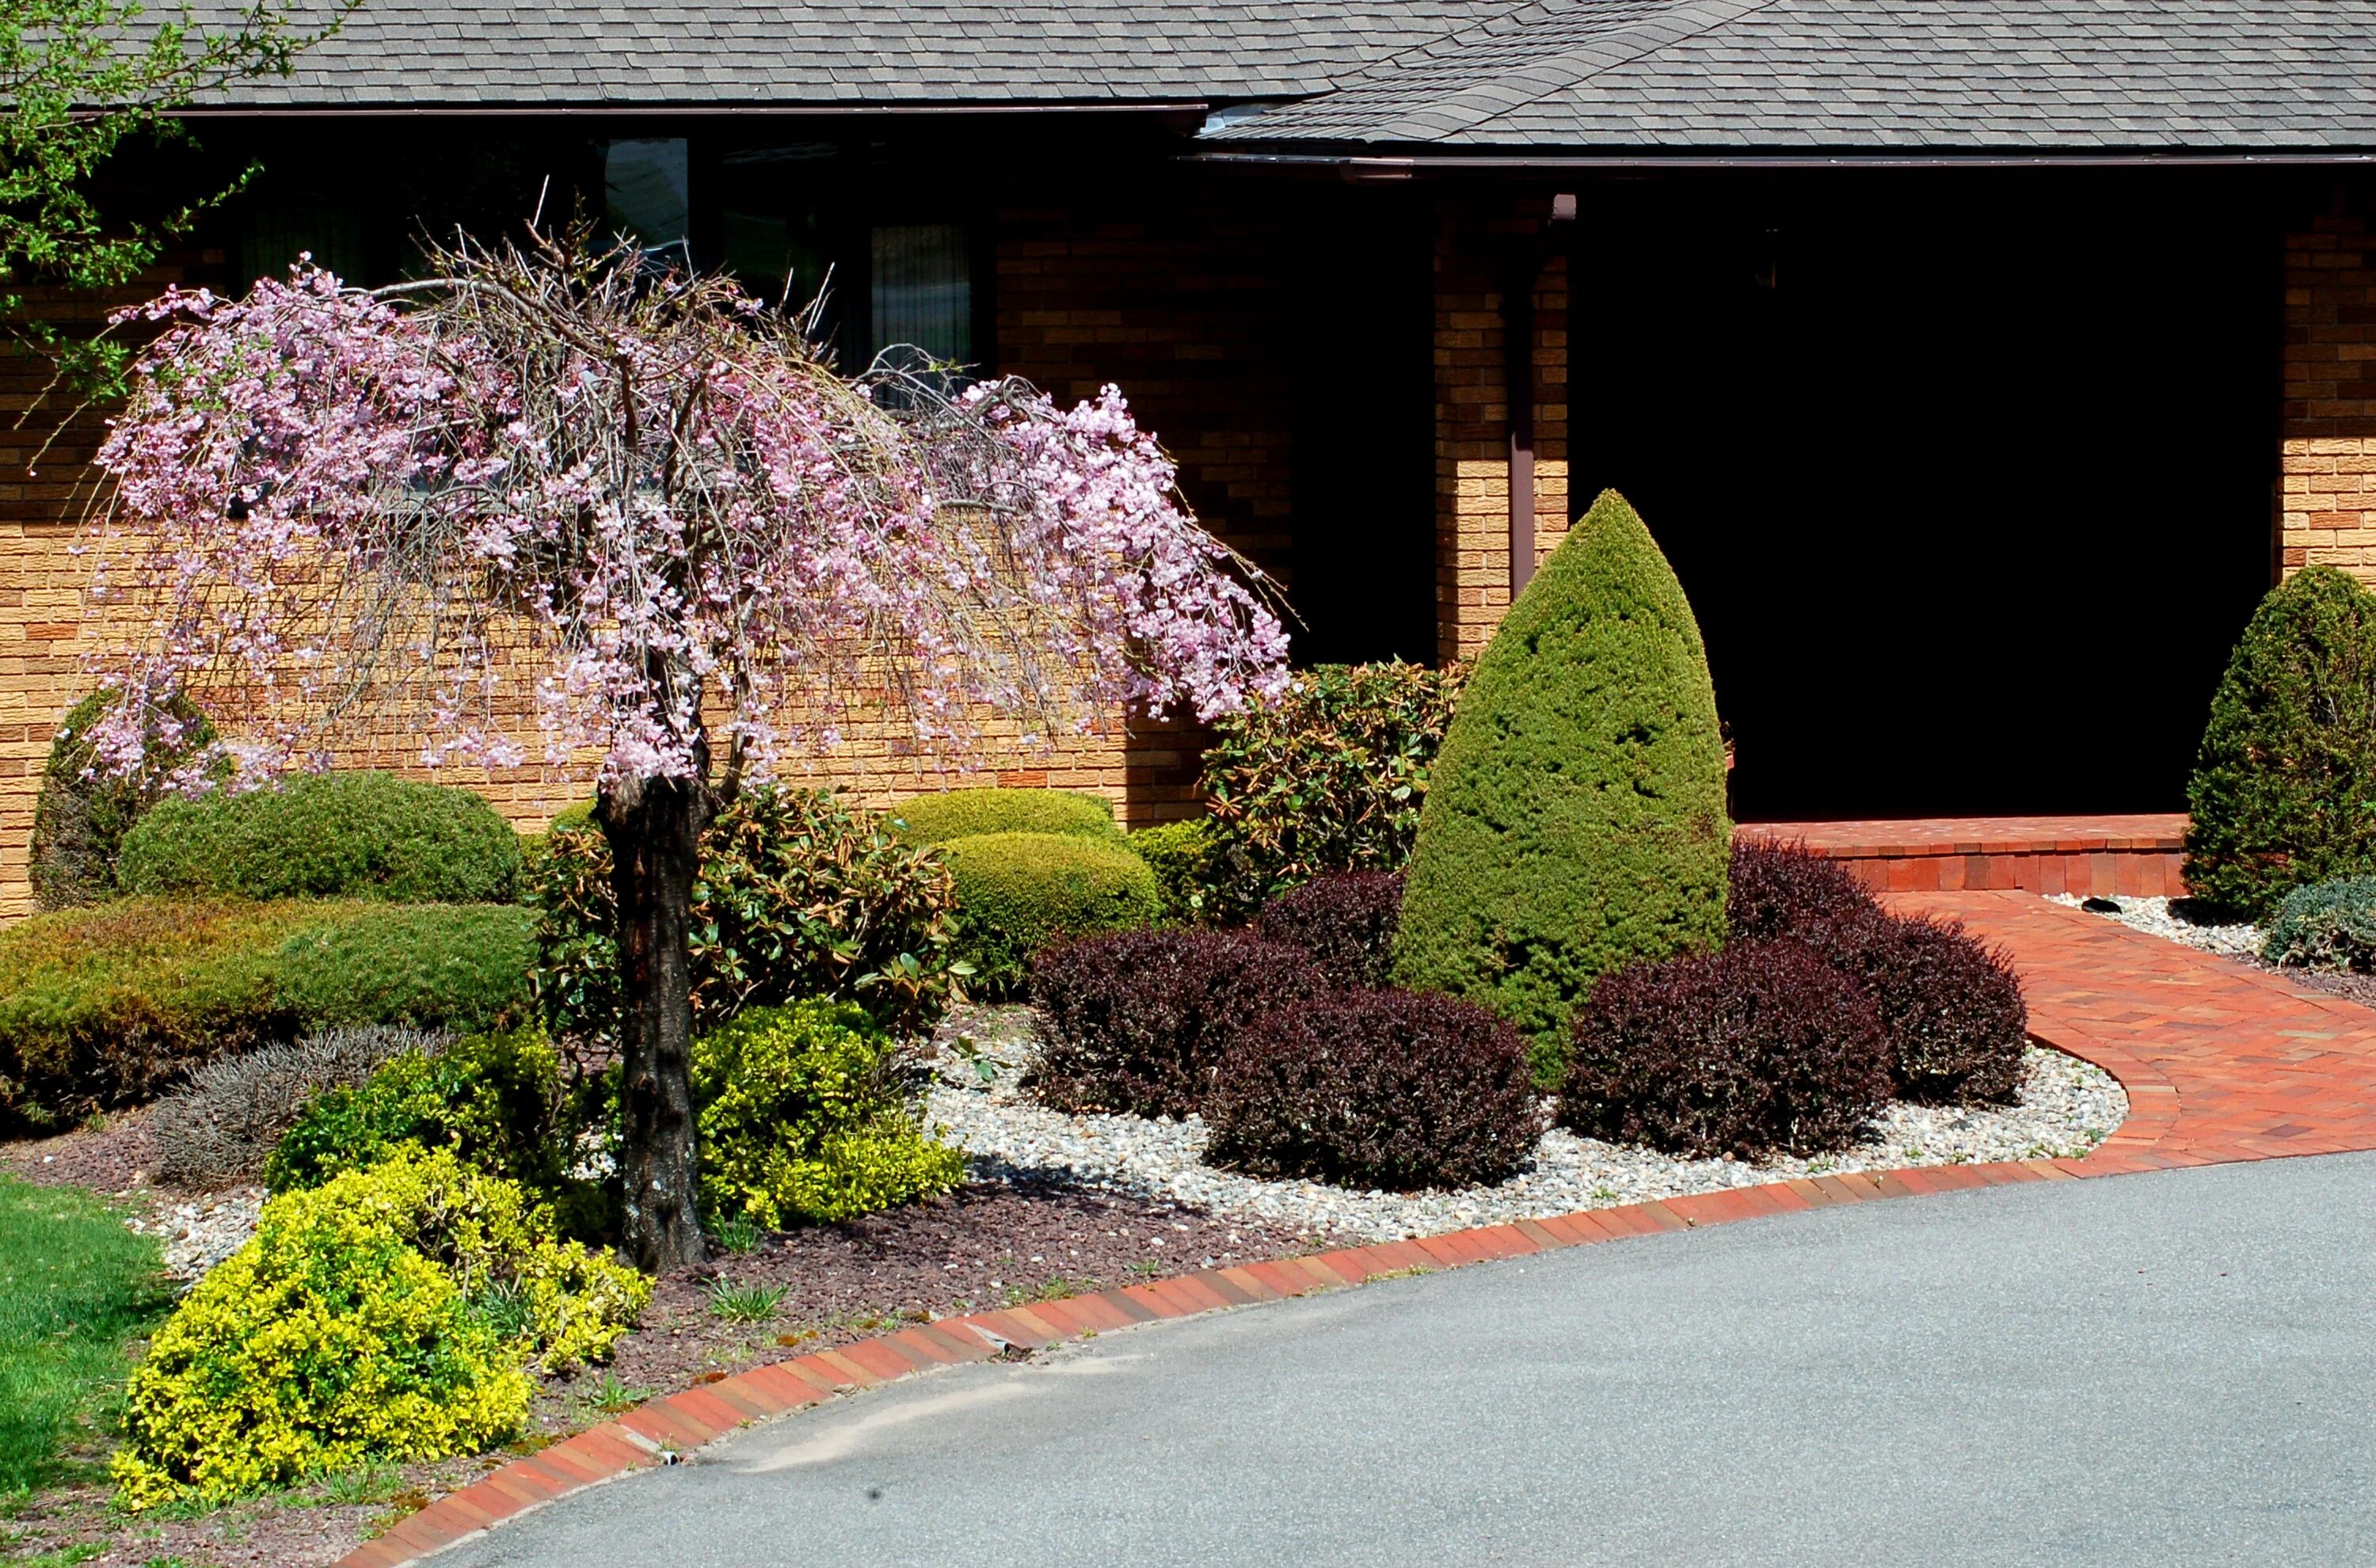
<point x="805" y="1115"/>
<point x="392" y="1315"/>
<point x="967" y="814"/>
<point x="1020" y="891"/>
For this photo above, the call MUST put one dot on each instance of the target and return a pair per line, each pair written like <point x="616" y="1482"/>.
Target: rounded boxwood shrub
<point x="1576" y="818"/>
<point x="1345" y="920"/>
<point x="1017" y="893"/>
<point x="79" y="819"/>
<point x="327" y="836"/>
<point x="2283" y="784"/>
<point x="458" y="966"/>
<point x="1764" y="1047"/>
<point x="1137" y="1021"/>
<point x="800" y="895"/>
<point x="807" y="1113"/>
<point x="1329" y="776"/>
<point x="492" y="1100"/>
<point x="1179" y="854"/>
<point x="967" y="814"/>
<point x="1375" y="1089"/>
<point x="391" y="1315"/>
<point x="2328" y="926"/>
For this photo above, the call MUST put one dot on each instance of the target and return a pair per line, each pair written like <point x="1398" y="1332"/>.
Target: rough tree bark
<point x="654" y="826"/>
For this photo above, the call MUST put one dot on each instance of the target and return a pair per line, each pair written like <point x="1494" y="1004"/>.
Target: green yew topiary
<point x="2283" y="790"/>
<point x="967" y="814"/>
<point x="81" y="819"/>
<point x="1576" y="817"/>
<point x="460" y="966"/>
<point x="328" y="836"/>
<point x="1019" y="892"/>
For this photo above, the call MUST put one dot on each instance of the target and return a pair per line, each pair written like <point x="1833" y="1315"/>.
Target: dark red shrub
<point x="1345" y="922"/>
<point x="1135" y="1021"/>
<point x="1788" y="890"/>
<point x="1761" y="1048"/>
<point x="1950" y="1004"/>
<point x="1376" y="1088"/>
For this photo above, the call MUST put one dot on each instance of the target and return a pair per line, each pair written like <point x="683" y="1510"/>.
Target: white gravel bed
<point x="2066" y="1107"/>
<point x="196" y="1234"/>
<point x="2152" y="916"/>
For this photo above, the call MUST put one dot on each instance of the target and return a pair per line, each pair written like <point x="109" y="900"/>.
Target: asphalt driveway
<point x="2151" y="1369"/>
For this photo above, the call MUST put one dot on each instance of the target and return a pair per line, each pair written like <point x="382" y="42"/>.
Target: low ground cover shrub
<point x="81" y="816"/>
<point x="392" y="1315"/>
<point x="458" y="966"/>
<point x="492" y="1100"/>
<point x="1345" y="921"/>
<point x="223" y="1126"/>
<point x="1179" y="854"/>
<point x="1576" y="817"/>
<point x="1328" y="776"/>
<point x="808" y="1113"/>
<point x="1017" y="893"/>
<point x="327" y="836"/>
<point x="2281" y="784"/>
<point x="1137" y="1021"/>
<point x="799" y="897"/>
<point x="2328" y="926"/>
<point x="1375" y="1089"/>
<point x="1762" y="1047"/>
<point x="966" y="814"/>
<point x="76" y="1286"/>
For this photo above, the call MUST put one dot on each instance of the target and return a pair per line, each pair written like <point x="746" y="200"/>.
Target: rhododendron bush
<point x="551" y="507"/>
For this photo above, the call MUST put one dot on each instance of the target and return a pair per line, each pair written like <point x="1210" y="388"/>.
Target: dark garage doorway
<point x="1968" y="475"/>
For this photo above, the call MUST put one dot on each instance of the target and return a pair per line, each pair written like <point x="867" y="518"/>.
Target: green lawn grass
<point x="75" y="1287"/>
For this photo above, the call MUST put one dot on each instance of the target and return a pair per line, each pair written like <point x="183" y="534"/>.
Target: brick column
<point x="2329" y="457"/>
<point x="1472" y="410"/>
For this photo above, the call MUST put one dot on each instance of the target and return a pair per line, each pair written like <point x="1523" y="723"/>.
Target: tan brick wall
<point x="2328" y="468"/>
<point x="1472" y="429"/>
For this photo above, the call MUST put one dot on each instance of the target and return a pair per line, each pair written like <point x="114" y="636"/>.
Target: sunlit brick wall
<point x="2329" y="461"/>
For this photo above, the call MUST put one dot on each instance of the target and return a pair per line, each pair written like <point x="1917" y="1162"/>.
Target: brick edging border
<point x="661" y="1431"/>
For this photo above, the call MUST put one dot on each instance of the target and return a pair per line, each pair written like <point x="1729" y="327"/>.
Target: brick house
<point x="1977" y="365"/>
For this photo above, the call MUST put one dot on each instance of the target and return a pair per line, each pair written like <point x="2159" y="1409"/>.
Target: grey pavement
<point x="2170" y="1369"/>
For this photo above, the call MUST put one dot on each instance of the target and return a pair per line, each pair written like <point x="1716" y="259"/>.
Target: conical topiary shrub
<point x="1576" y="822"/>
<point x="2284" y="793"/>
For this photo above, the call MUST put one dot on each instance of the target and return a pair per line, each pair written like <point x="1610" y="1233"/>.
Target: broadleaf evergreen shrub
<point x="2284" y="788"/>
<point x="458" y="966"/>
<point x="1384" y="1089"/>
<point x="1761" y="1048"/>
<point x="80" y="818"/>
<point x="1345" y="920"/>
<point x="1329" y="776"/>
<point x="808" y="1113"/>
<point x="1575" y="819"/>
<point x="1137" y="1021"/>
<point x="1017" y="893"/>
<point x="492" y="1100"/>
<point x="2328" y="926"/>
<point x="800" y="896"/>
<point x="967" y="814"/>
<point x="355" y="835"/>
<point x="390" y="1315"/>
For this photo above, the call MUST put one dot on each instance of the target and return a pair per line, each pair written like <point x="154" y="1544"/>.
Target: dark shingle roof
<point x="1878" y="75"/>
<point x="640" y="54"/>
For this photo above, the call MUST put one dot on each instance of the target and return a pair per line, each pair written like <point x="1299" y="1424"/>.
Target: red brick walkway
<point x="2221" y="1062"/>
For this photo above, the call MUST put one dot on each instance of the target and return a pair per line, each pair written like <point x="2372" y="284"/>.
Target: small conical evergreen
<point x="1576" y="817"/>
<point x="2284" y="791"/>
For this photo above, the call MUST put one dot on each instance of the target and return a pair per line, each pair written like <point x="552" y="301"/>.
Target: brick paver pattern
<point x="2222" y="1062"/>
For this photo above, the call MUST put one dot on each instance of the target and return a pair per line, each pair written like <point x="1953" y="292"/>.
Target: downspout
<point x="1524" y="273"/>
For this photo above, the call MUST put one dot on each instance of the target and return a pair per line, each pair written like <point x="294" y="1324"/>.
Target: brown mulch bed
<point x="109" y="1157"/>
<point x="2352" y="988"/>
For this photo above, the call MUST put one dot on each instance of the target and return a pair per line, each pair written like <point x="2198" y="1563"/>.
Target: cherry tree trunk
<point x="654" y="826"/>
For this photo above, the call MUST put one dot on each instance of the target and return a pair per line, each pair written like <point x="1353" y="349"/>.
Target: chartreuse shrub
<point x="1179" y="854"/>
<point x="327" y="836"/>
<point x="800" y="895"/>
<point x="807" y="1114"/>
<point x="492" y="1100"/>
<point x="81" y="815"/>
<point x="1328" y="776"/>
<point x="2283" y="790"/>
<point x="75" y="1286"/>
<point x="1017" y="893"/>
<point x="460" y="966"/>
<point x="1575" y="820"/>
<point x="966" y="814"/>
<point x="2328" y="926"/>
<point x="393" y="1314"/>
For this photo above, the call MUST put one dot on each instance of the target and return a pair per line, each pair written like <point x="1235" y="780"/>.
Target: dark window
<point x="922" y="293"/>
<point x="647" y="191"/>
